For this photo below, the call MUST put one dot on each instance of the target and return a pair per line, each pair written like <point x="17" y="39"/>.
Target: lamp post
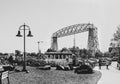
<point x="24" y="27"/>
<point x="39" y="51"/>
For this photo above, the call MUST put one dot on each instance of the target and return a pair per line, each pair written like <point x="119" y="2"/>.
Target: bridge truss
<point x="93" y="44"/>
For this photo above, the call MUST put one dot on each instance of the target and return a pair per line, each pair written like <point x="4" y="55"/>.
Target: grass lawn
<point x="36" y="76"/>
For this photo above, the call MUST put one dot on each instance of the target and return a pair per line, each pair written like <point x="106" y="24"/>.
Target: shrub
<point x="8" y="68"/>
<point x="52" y="64"/>
<point x="35" y="62"/>
<point x="84" y="69"/>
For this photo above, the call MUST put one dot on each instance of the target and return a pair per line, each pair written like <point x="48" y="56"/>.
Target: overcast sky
<point x="47" y="16"/>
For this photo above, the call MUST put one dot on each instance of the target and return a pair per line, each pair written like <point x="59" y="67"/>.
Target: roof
<point x="58" y="53"/>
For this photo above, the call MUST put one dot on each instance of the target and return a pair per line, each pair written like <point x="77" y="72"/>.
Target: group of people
<point x="106" y="63"/>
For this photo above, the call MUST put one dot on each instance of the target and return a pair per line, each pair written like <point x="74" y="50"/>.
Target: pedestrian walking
<point x="100" y="61"/>
<point x="107" y="64"/>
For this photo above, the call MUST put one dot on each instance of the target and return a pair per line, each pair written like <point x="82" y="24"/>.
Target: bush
<point x="84" y="69"/>
<point x="35" y="62"/>
<point x="52" y="64"/>
<point x="8" y="68"/>
<point x="18" y="62"/>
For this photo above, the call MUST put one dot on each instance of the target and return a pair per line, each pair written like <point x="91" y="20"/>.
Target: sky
<point x="47" y="16"/>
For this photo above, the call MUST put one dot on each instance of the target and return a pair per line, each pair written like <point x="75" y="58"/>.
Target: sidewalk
<point x="111" y="76"/>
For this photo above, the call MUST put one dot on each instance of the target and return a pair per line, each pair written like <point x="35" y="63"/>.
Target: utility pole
<point x="74" y="41"/>
<point x="39" y="50"/>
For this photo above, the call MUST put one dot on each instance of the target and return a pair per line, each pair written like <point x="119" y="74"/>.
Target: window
<point x="48" y="56"/>
<point x="56" y="57"/>
<point x="60" y="56"/>
<point x="64" y="56"/>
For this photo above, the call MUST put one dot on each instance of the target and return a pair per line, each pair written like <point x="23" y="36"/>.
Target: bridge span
<point x="93" y="44"/>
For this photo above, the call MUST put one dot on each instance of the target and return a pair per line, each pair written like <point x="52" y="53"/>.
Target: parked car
<point x="46" y="67"/>
<point x="114" y="58"/>
<point x="93" y="62"/>
<point x="118" y="64"/>
<point x="103" y="63"/>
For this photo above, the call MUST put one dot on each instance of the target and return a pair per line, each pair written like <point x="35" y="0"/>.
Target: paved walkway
<point x="111" y="76"/>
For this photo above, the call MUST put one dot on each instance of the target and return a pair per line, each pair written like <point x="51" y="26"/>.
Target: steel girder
<point x="73" y="29"/>
<point x="78" y="28"/>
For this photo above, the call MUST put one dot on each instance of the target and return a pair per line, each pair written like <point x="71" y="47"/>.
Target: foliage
<point x="116" y="35"/>
<point x="33" y="54"/>
<point x="10" y="59"/>
<point x="84" y="69"/>
<point x="41" y="56"/>
<point x="35" y="62"/>
<point x="17" y="52"/>
<point x="52" y="64"/>
<point x="107" y="54"/>
<point x="1" y="53"/>
<point x="50" y="50"/>
<point x="98" y="54"/>
<point x="74" y="50"/>
<point x="116" y="38"/>
<point x="65" y="50"/>
<point x="84" y="53"/>
<point x="114" y="51"/>
<point x="8" y="68"/>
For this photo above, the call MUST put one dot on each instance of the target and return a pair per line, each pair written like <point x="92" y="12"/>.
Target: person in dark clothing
<point x="100" y="61"/>
<point x="107" y="64"/>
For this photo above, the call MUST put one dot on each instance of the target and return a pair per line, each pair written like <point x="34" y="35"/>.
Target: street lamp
<point x="24" y="27"/>
<point x="39" y="51"/>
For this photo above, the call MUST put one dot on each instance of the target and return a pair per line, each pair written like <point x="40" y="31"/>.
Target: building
<point x="58" y="57"/>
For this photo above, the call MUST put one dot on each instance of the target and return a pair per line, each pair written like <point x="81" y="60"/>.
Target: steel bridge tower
<point x="93" y="45"/>
<point x="93" y="41"/>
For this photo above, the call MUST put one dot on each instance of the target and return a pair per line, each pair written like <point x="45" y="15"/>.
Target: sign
<point x="4" y="75"/>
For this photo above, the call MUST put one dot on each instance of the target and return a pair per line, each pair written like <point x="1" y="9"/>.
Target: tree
<point x="50" y="50"/>
<point x="10" y="59"/>
<point x="116" y="37"/>
<point x="33" y="54"/>
<point x="98" y="54"/>
<point x="17" y="52"/>
<point x="107" y="54"/>
<point x="1" y="53"/>
<point x="65" y="50"/>
<point x="74" y="50"/>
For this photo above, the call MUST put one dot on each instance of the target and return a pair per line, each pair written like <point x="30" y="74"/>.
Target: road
<point x="111" y="76"/>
